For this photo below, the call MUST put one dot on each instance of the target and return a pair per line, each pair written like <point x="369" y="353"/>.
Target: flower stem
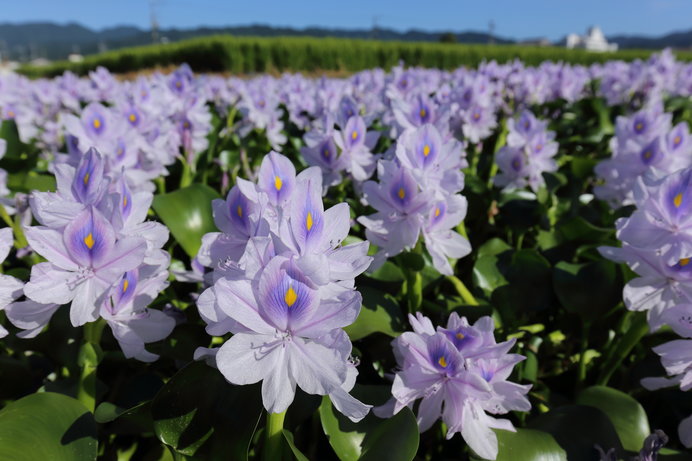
<point x="462" y="290"/>
<point x="272" y="446"/>
<point x="414" y="289"/>
<point x="581" y="374"/>
<point x="89" y="357"/>
<point x="186" y="175"/>
<point x="624" y="346"/>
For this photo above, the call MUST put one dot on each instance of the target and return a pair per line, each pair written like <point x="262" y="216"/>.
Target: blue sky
<point x="513" y="18"/>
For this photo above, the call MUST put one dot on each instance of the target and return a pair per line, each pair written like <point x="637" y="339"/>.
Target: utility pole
<point x="154" y="22"/>
<point x="373" y="34"/>
<point x="491" y="32"/>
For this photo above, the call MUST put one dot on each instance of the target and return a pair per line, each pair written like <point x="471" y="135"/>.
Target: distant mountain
<point x="682" y="39"/>
<point x="56" y="41"/>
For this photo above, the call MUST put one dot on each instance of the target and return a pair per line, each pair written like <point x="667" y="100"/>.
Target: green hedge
<point x="254" y="54"/>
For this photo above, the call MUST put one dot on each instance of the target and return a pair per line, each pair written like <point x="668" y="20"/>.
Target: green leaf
<point x="296" y="452"/>
<point x="199" y="413"/>
<point x="577" y="429"/>
<point x="486" y="273"/>
<point x="580" y="230"/>
<point x="389" y="272"/>
<point x="589" y="289"/>
<point x="47" y="426"/>
<point x="528" y="287"/>
<point x="626" y="414"/>
<point x="30" y="181"/>
<point x="380" y="314"/>
<point x="187" y="213"/>
<point x="372" y="438"/>
<point x="9" y="132"/>
<point x="528" y="445"/>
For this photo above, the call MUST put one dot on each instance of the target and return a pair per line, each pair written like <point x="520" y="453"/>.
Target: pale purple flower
<point x="83" y="262"/>
<point x="460" y="374"/>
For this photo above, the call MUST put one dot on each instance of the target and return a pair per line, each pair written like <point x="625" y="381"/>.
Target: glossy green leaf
<point x="626" y="414"/>
<point x="588" y="290"/>
<point x="528" y="445"/>
<point x="187" y="213"/>
<point x="199" y="413"/>
<point x="380" y="313"/>
<point x="372" y="439"/>
<point x="47" y="426"/>
<point x="577" y="429"/>
<point x="486" y="273"/>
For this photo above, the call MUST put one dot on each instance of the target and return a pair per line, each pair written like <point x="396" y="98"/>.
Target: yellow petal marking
<point x="423" y="113"/>
<point x="125" y="201"/>
<point x="442" y="361"/>
<point x="437" y="212"/>
<point x="639" y="126"/>
<point x="290" y="297"/>
<point x="677" y="140"/>
<point x="459" y="335"/>
<point x="354" y="135"/>
<point x="278" y="183"/>
<point x="308" y="221"/>
<point x="133" y="118"/>
<point x="426" y="150"/>
<point x="239" y="210"/>
<point x="97" y="123"/>
<point x="677" y="200"/>
<point x="684" y="262"/>
<point x="86" y="179"/>
<point x="402" y="193"/>
<point x="89" y="241"/>
<point x="126" y="285"/>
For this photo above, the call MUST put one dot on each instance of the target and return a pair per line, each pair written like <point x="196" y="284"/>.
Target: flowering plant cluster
<point x="418" y="194"/>
<point x="528" y="154"/>
<point x="284" y="286"/>
<point x="643" y="141"/>
<point x="657" y="245"/>
<point x="461" y="373"/>
<point x="103" y="258"/>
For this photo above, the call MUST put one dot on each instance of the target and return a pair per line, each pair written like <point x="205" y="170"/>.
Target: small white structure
<point x="594" y="40"/>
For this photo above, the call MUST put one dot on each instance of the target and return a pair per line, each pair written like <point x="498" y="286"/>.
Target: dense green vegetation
<point x="278" y="54"/>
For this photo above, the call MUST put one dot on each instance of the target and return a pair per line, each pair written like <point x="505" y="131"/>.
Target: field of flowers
<point x="478" y="264"/>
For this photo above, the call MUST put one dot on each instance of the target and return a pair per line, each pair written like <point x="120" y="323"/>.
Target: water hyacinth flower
<point x="83" y="262"/>
<point x="292" y="338"/>
<point x="460" y="374"/>
<point x="356" y="144"/>
<point x="288" y="293"/>
<point x="663" y="219"/>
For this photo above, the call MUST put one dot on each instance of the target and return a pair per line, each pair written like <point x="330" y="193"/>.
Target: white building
<point x="594" y="40"/>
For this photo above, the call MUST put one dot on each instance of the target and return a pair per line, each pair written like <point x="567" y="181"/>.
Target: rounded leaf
<point x="47" y="426"/>
<point x="372" y="438"/>
<point x="626" y="414"/>
<point x="528" y="445"/>
<point x="187" y="214"/>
